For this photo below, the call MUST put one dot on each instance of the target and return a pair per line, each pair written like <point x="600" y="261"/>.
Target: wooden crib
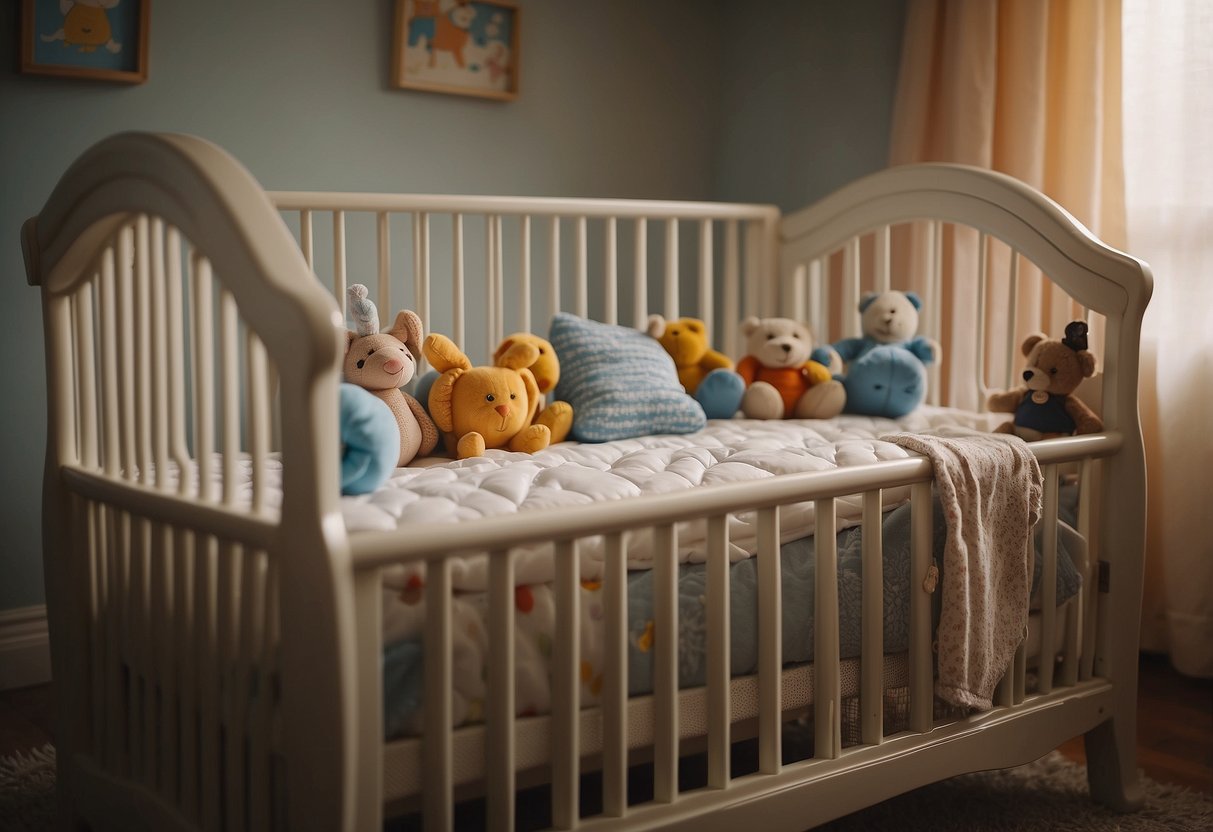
<point x="216" y="638"/>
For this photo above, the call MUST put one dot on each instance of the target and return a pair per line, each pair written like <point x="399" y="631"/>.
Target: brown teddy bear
<point x="382" y="362"/>
<point x="1045" y="406"/>
<point x="558" y="416"/>
<point x="781" y="381"/>
<point x="485" y="407"/>
<point x="686" y="341"/>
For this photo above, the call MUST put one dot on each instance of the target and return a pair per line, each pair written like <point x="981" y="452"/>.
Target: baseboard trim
<point x="25" y="648"/>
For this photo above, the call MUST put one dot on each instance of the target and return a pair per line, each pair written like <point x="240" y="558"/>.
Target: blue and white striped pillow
<point x="621" y="382"/>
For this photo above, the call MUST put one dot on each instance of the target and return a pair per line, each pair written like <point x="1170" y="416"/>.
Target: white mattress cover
<point x="439" y="490"/>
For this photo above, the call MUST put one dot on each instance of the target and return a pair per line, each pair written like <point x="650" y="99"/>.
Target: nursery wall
<point x="618" y="98"/>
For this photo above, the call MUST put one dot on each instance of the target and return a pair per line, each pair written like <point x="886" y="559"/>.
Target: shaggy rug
<point x="1048" y="794"/>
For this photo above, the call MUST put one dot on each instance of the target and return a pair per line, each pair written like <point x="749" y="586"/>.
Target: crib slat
<point x="753" y="269"/>
<point x="383" y="237"/>
<point x="108" y="344"/>
<point x="498" y="280"/>
<point x="205" y="603"/>
<point x="983" y="277"/>
<point x="499" y="757"/>
<point x="228" y="328"/>
<point x="933" y="326"/>
<point x="770" y="641"/>
<point x="732" y="273"/>
<point x="159" y="357"/>
<point x="99" y="602"/>
<point x="827" y="682"/>
<point x="554" y="265"/>
<point x="421" y="296"/>
<point x="204" y="375"/>
<point x="137" y="646"/>
<point x="1004" y="693"/>
<point x="566" y="688"/>
<point x="86" y="377"/>
<point x="186" y="635"/>
<point x="665" y="663"/>
<point x="706" y="310"/>
<point x="260" y="780"/>
<point x="235" y="596"/>
<point x="921" y="535"/>
<point x="176" y="352"/>
<point x="457" y="276"/>
<point x="143" y="348"/>
<point x="610" y="248"/>
<point x="640" y="275"/>
<point x="305" y="237"/>
<point x="128" y="426"/>
<point x="115" y="722"/>
<point x="259" y="416"/>
<point x="339" y="275"/>
<point x="580" y="289"/>
<point x="524" y="270"/>
<point x="1048" y="580"/>
<point x="871" y="697"/>
<point x="851" y="326"/>
<point x="798" y="304"/>
<point x="670" y="284"/>
<point x="1012" y="326"/>
<point x="368" y="604"/>
<point x="1021" y="672"/>
<point x="882" y="253"/>
<point x="718" y="666"/>
<point x="819" y="320"/>
<point x="1090" y="593"/>
<point x="161" y="711"/>
<point x="436" y="743"/>
<point x="615" y="679"/>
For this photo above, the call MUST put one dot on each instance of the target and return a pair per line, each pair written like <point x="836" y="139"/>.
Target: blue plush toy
<point x="887" y="318"/>
<point x="885" y="381"/>
<point x="370" y="440"/>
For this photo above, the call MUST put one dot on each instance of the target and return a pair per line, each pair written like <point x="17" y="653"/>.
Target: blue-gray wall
<point x="678" y="99"/>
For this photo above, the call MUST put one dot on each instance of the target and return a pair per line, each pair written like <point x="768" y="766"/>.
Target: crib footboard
<point x="200" y="627"/>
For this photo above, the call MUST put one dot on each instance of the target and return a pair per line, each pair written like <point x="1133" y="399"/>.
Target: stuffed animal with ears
<point x="1046" y="407"/>
<point x="478" y="408"/>
<point x="558" y="416"/>
<point x="781" y="380"/>
<point x="704" y="373"/>
<point x="381" y="362"/>
<point x="887" y="318"/>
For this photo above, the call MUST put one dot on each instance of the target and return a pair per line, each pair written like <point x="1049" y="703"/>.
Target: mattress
<point x="436" y="490"/>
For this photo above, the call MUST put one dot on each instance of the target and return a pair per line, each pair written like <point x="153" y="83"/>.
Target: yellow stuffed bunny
<point x="485" y="407"/>
<point x="558" y="416"/>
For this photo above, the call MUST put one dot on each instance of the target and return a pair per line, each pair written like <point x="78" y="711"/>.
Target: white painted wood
<point x="457" y="290"/>
<point x="1048" y="579"/>
<point x="770" y="643"/>
<point x="921" y="658"/>
<point x="305" y="236"/>
<point x="368" y="589"/>
<point x="817" y="311"/>
<point x="383" y="237"/>
<point x="499" y="744"/>
<point x="581" y="273"/>
<point x="983" y="279"/>
<point x="615" y="679"/>
<point x="566" y="688"/>
<point x="257" y="397"/>
<point x="498" y="276"/>
<point x="640" y="274"/>
<point x="339" y="259"/>
<point x="142" y="350"/>
<point x="882" y="253"/>
<point x="229" y="378"/>
<point x="752" y="284"/>
<point x="1090" y="589"/>
<point x="438" y="793"/>
<point x="524" y="270"/>
<point x="669" y="307"/>
<point x="851" y="326"/>
<point x="1012" y="345"/>
<point x="799" y="305"/>
<point x="204" y="375"/>
<point x="610" y="272"/>
<point x="665" y="663"/>
<point x="827" y="707"/>
<point x="871" y="699"/>
<point x="719" y="606"/>
<point x="707" y="308"/>
<point x="421" y="271"/>
<point x="554" y="265"/>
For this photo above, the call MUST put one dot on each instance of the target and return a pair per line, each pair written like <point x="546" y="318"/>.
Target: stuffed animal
<point x="885" y="381"/>
<point x="780" y="379"/>
<point x="383" y="361"/>
<point x="370" y="439"/>
<point x="703" y="372"/>
<point x="485" y="407"/>
<point x="1045" y="406"/>
<point x="886" y="318"/>
<point x="558" y="416"/>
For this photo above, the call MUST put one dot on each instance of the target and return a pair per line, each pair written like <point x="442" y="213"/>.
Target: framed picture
<point x="465" y="47"/>
<point x="101" y="39"/>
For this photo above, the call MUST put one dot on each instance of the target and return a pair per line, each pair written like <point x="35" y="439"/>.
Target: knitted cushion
<point x="621" y="382"/>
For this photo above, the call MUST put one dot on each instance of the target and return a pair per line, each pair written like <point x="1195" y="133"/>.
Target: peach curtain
<point x="1030" y="88"/>
<point x="1168" y="108"/>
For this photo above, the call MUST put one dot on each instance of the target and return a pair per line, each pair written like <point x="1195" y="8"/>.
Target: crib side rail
<point x="476" y="268"/>
<point x="605" y="733"/>
<point x="185" y="337"/>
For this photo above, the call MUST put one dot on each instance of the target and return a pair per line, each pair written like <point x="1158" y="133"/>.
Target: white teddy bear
<point x="781" y="380"/>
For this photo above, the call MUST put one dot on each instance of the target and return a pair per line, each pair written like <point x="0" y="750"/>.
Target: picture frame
<point x="461" y="47"/>
<point x="105" y="40"/>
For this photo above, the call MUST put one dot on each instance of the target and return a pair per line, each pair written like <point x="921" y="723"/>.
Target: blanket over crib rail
<point x="989" y="486"/>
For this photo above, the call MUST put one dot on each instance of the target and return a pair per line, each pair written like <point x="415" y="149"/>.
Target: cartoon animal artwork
<point x="423" y="22"/>
<point x="85" y="25"/>
<point x="382" y="362"/>
<point x="1046" y="407"/>
<point x="451" y="33"/>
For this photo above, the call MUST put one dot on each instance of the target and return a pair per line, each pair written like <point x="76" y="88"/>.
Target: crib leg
<point x="1112" y="764"/>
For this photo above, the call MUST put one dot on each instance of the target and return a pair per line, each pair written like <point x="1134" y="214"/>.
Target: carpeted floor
<point x="1048" y="794"/>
